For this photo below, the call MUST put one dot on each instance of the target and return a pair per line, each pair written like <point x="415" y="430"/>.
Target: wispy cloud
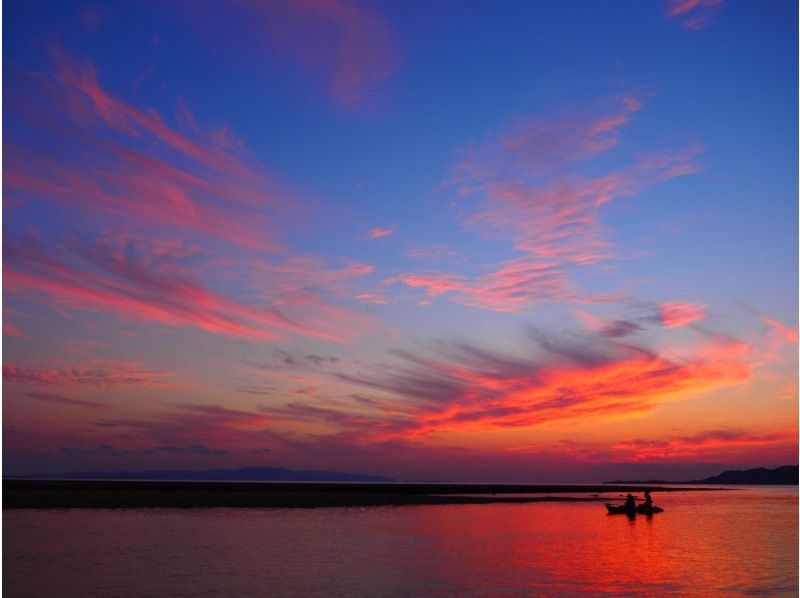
<point x="460" y="387"/>
<point x="129" y="163"/>
<point x="716" y="445"/>
<point x="514" y="286"/>
<point x="539" y="145"/>
<point x="152" y="282"/>
<point x="103" y="374"/>
<point x="784" y="334"/>
<point x="529" y="193"/>
<point x="380" y="233"/>
<point x="184" y="202"/>
<point x="348" y="47"/>
<point x="62" y="400"/>
<point x="100" y="450"/>
<point x="693" y="14"/>
<point x="186" y="425"/>
<point x="705" y="445"/>
<point x="677" y="314"/>
<point x="192" y="449"/>
<point x="558" y="218"/>
<point x="11" y="330"/>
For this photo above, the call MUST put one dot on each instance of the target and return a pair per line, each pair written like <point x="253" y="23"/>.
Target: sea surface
<point x="732" y="543"/>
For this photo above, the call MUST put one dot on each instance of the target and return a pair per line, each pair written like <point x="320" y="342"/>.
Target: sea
<point x="737" y="542"/>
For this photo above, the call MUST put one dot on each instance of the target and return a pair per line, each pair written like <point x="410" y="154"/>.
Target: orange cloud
<point x="464" y="388"/>
<point x="719" y="445"/>
<point x="784" y="334"/>
<point x="707" y="445"/>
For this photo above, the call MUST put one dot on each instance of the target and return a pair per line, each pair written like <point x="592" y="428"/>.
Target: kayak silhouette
<point x="641" y="510"/>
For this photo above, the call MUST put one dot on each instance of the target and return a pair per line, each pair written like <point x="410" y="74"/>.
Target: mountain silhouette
<point x="785" y="475"/>
<point x="243" y="474"/>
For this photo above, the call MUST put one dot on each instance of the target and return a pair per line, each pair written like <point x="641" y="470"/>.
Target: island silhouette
<point x="780" y="476"/>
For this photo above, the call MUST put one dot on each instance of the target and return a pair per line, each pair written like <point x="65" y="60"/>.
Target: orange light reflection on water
<point x="704" y="544"/>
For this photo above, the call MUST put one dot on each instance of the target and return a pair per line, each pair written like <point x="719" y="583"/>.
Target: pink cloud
<point x="380" y="233"/>
<point x="434" y="284"/>
<point x="104" y="374"/>
<point x="515" y="285"/>
<point x="87" y="101"/>
<point x="541" y="144"/>
<point x="147" y="281"/>
<point x="777" y="337"/>
<point x="11" y="330"/>
<point x="785" y="334"/>
<point x="551" y="216"/>
<point x="202" y="181"/>
<point x="694" y="14"/>
<point x="196" y="186"/>
<point x="374" y="298"/>
<point x="677" y="314"/>
<point x="560" y="219"/>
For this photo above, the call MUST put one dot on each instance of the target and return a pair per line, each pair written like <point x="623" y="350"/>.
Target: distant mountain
<point x="786" y="475"/>
<point x="244" y="474"/>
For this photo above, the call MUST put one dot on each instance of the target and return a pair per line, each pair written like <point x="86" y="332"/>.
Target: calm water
<point x="730" y="543"/>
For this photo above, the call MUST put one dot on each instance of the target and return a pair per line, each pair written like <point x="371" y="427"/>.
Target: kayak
<point x="641" y="510"/>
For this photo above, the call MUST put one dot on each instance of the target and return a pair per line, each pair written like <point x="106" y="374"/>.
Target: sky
<point x="477" y="241"/>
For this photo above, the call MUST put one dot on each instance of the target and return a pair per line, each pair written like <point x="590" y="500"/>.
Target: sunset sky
<point x="479" y="241"/>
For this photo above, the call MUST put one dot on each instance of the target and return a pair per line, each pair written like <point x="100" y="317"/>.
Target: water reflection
<point x="743" y="542"/>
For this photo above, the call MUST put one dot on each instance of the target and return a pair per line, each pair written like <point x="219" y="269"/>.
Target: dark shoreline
<point x="117" y="494"/>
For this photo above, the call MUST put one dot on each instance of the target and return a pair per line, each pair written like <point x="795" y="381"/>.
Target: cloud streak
<point x="677" y="314"/>
<point x="62" y="400"/>
<point x="129" y="163"/>
<point x="146" y="281"/>
<point x="529" y="193"/>
<point x="102" y="374"/>
<point x="380" y="233"/>
<point x="463" y="388"/>
<point x="693" y="14"/>
<point x="187" y="425"/>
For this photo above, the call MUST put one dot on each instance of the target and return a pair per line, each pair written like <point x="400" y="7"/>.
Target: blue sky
<point x="365" y="236"/>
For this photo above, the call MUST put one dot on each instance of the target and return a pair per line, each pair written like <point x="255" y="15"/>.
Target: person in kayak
<point x="648" y="501"/>
<point x="630" y="502"/>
